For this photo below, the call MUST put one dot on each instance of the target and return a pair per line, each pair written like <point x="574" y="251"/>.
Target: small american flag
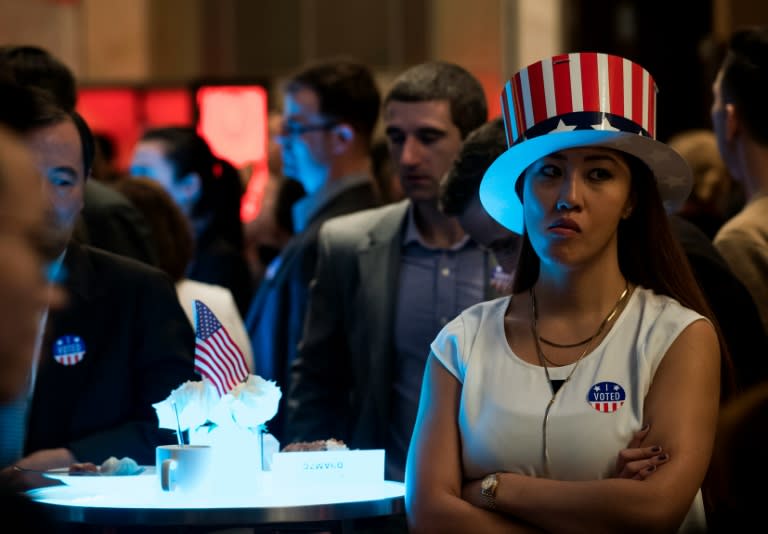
<point x="217" y="357"/>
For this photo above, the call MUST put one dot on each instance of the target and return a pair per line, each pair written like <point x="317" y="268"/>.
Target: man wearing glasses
<point x="330" y="110"/>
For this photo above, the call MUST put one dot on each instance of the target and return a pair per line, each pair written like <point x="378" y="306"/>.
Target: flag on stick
<point x="217" y="357"/>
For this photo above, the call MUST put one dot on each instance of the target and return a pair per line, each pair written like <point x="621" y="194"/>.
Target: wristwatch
<point x="488" y="488"/>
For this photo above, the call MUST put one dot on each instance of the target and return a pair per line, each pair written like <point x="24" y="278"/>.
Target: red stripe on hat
<point x="517" y="92"/>
<point x="561" y="77"/>
<point x="637" y="94"/>
<point x="616" y="84"/>
<point x="538" y="100"/>
<point x="505" y="110"/>
<point x="651" y="107"/>
<point x="589" y="81"/>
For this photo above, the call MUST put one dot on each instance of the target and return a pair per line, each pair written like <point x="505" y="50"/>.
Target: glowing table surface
<point x="120" y="503"/>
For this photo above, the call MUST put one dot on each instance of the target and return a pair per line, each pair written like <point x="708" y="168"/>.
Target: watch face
<point x="488" y="485"/>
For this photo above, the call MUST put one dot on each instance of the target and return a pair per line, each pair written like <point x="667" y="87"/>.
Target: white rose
<point x="254" y="402"/>
<point x="193" y="402"/>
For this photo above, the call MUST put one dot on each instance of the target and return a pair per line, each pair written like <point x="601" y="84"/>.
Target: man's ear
<point x="343" y="137"/>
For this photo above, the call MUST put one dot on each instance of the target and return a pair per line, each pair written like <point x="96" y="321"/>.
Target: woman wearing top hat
<point x="528" y="400"/>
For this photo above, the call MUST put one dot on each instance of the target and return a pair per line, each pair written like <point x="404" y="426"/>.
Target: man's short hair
<point x="36" y="67"/>
<point x="745" y="79"/>
<point x="38" y="71"/>
<point x="439" y="80"/>
<point x="462" y="182"/>
<point x="346" y="92"/>
<point x="16" y="102"/>
<point x="42" y="110"/>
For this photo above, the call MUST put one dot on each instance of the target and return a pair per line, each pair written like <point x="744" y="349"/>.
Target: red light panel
<point x="233" y="119"/>
<point x="164" y="107"/>
<point x="114" y="112"/>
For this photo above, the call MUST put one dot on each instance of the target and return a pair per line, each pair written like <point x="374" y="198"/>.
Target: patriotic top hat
<point x="577" y="100"/>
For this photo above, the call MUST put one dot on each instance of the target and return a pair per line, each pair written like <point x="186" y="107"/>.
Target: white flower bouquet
<point x="249" y="405"/>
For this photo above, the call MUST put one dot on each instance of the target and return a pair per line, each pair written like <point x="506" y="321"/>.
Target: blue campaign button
<point x="69" y="350"/>
<point x="606" y="397"/>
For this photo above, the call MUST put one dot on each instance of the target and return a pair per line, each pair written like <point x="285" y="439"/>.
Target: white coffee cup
<point x="184" y="468"/>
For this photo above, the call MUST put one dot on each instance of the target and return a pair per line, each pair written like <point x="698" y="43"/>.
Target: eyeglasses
<point x="294" y="129"/>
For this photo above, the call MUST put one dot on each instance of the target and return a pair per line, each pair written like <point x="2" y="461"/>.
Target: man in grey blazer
<point x="388" y="279"/>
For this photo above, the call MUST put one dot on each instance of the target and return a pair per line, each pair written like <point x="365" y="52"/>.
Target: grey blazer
<point x="341" y="380"/>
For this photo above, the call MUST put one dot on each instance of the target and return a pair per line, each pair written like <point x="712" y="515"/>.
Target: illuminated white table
<point x="330" y="506"/>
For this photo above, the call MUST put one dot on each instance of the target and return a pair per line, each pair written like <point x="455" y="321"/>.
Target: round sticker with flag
<point x="606" y="397"/>
<point x="68" y="350"/>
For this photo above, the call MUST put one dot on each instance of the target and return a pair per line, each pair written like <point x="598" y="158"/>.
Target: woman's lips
<point x="564" y="225"/>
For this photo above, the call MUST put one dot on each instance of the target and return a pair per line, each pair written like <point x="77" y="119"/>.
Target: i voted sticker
<point x="606" y="397"/>
<point x="69" y="350"/>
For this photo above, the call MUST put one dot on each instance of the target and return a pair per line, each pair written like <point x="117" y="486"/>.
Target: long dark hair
<point x="220" y="181"/>
<point x="649" y="256"/>
<point x="170" y="230"/>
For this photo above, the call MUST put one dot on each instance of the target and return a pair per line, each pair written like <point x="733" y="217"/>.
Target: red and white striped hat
<point x="576" y="100"/>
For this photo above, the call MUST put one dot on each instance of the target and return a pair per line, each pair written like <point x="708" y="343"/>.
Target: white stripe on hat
<point x="549" y="87"/>
<point x="627" y="69"/>
<point x="574" y="64"/>
<point x="527" y="104"/>
<point x="511" y="110"/>
<point x="644" y="118"/>
<point x="603" y="90"/>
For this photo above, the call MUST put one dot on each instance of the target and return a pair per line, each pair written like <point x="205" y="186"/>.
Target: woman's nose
<point x="569" y="192"/>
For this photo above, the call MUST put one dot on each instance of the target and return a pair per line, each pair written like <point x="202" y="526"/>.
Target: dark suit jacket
<point x="218" y="261"/>
<point x="139" y="346"/>
<point x="110" y="222"/>
<point x="342" y="378"/>
<point x="276" y="317"/>
<point x="731" y="303"/>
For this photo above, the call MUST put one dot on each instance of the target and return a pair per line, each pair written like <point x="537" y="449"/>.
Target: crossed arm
<point x="681" y="407"/>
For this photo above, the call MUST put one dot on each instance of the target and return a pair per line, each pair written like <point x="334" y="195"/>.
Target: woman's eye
<point x="550" y="171"/>
<point x="599" y="174"/>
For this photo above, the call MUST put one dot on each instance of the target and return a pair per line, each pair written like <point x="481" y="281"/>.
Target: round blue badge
<point x="606" y="397"/>
<point x="69" y="350"/>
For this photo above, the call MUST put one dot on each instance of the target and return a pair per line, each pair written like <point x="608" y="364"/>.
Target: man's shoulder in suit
<point x="355" y="226"/>
<point x="101" y="267"/>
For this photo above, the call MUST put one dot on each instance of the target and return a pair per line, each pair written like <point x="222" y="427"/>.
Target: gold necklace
<point x="543" y="360"/>
<point x="566" y="345"/>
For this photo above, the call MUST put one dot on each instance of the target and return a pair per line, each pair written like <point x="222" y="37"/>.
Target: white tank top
<point x="596" y="413"/>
